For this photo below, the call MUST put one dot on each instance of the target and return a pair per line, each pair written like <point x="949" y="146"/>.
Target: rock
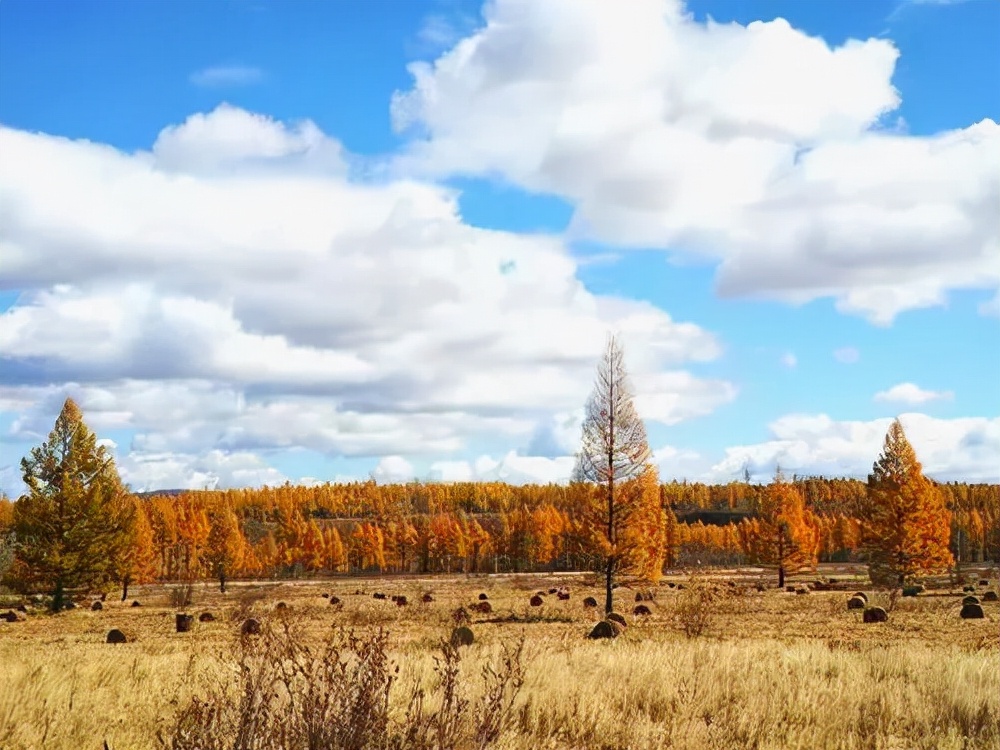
<point x="536" y="601"/>
<point x="641" y="610"/>
<point x="250" y="627"/>
<point x="875" y="614"/>
<point x="972" y="612"/>
<point x="462" y="636"/>
<point x="620" y="619"/>
<point x="483" y="597"/>
<point x="206" y="617"/>
<point x="855" y="602"/>
<point x="604" y="629"/>
<point x="96" y="606"/>
<point x="116" y="636"/>
<point x="183" y="622"/>
<point x="590" y="602"/>
<point x="989" y="596"/>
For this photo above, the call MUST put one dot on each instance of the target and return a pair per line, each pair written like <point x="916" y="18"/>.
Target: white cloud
<point x="213" y="469"/>
<point x="909" y="393"/>
<point x="847" y="355"/>
<point x="220" y="76"/>
<point x="789" y="360"/>
<point x="393" y="469"/>
<point x="758" y="147"/>
<point x="963" y="449"/>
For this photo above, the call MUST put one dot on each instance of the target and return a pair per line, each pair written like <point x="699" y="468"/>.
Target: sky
<point x="264" y="241"/>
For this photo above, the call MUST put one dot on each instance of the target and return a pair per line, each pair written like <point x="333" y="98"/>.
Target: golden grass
<point x="775" y="670"/>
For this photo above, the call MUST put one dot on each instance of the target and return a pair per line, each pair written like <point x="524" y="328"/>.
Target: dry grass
<point x="770" y="670"/>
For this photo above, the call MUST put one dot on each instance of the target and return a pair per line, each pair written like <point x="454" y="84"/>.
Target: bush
<point x="695" y="608"/>
<point x="182" y="595"/>
<point x="289" y="695"/>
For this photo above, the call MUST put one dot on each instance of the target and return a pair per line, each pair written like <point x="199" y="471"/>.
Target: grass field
<point x="772" y="669"/>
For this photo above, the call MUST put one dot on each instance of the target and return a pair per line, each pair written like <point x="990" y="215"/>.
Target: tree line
<point x="78" y="526"/>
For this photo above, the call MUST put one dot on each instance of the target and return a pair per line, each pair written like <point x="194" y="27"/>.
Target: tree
<point x="784" y="533"/>
<point x="224" y="548"/>
<point x="73" y="524"/>
<point x="137" y="564"/>
<point x="615" y="457"/>
<point x="905" y="525"/>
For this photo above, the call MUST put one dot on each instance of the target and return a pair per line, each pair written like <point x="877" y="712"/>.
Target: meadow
<point x="768" y="669"/>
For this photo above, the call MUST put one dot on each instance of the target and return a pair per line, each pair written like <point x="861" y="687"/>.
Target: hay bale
<point x="183" y="622"/>
<point x="983" y="582"/>
<point x="206" y="617"/>
<point x="116" y="636"/>
<point x="641" y="610"/>
<point x="378" y="595"/>
<point x="536" y="601"/>
<point x="761" y="588"/>
<point x="325" y="595"/>
<point x="334" y="600"/>
<point x="96" y="606"/>
<point x="620" y="619"/>
<point x="553" y="591"/>
<point x="462" y="636"/>
<point x="862" y="595"/>
<point x="671" y="584"/>
<point x="990" y="596"/>
<point x="250" y="627"/>
<point x="790" y="589"/>
<point x="971" y="600"/>
<point x="875" y="614"/>
<point x="912" y="590"/>
<point x="972" y="612"/>
<point x="483" y="597"/>
<point x="604" y="629"/>
<point x="136" y="603"/>
<point x="802" y="590"/>
<point x="427" y="598"/>
<point x="855" y="602"/>
<point x="402" y="601"/>
<point x="590" y="602"/>
<point x="968" y="589"/>
<point x="22" y="608"/>
<point x="563" y="596"/>
<point x="484" y="607"/>
<point x="680" y="586"/>
<point x="9" y="616"/>
<point x="69" y="605"/>
<point x="281" y="605"/>
<point x="461" y="616"/>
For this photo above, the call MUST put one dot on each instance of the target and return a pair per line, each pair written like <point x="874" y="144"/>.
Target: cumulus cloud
<point x="847" y="355"/>
<point x="758" y="147"/>
<point x="962" y="449"/>
<point x="220" y="76"/>
<point x="233" y="289"/>
<point x="910" y="393"/>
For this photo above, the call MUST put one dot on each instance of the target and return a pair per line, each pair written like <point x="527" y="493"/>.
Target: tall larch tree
<point x="138" y="561"/>
<point x="614" y="457"/>
<point x="905" y="524"/>
<point x="73" y="524"/>
<point x="224" y="548"/>
<point x="785" y="533"/>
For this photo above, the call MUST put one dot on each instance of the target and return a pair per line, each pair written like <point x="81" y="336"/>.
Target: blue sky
<point x="263" y="241"/>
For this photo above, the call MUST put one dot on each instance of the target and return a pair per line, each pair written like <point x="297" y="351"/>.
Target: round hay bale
<point x="96" y="606"/>
<point x="553" y="591"/>
<point x="855" y="602"/>
<point x="861" y="595"/>
<point x="22" y="608"/>
<point x="671" y="584"/>
<point x="604" y="629"/>
<point x="802" y="590"/>
<point x="325" y="595"/>
<point x="206" y="617"/>
<point x="462" y="636"/>
<point x="427" y="598"/>
<point x="484" y="607"/>
<point x="69" y="605"/>
<point x="968" y="589"/>
<point x="971" y="600"/>
<point x="620" y="619"/>
<point x="183" y="622"/>
<point x="378" y="595"/>
<point x="875" y="614"/>
<point x="641" y="610"/>
<point x="790" y="589"/>
<point x="536" y="601"/>
<point x="250" y="627"/>
<point x="9" y="616"/>
<point x="983" y="582"/>
<point x="563" y="596"/>
<point x="461" y="616"/>
<point x="990" y="596"/>
<point x="116" y="636"/>
<point x="281" y="605"/>
<point x="680" y="586"/>
<point x="972" y="612"/>
<point x="136" y="603"/>
<point x="590" y="602"/>
<point x="912" y="590"/>
<point x="334" y="600"/>
<point x="483" y="597"/>
<point x="638" y="596"/>
<point x="401" y="601"/>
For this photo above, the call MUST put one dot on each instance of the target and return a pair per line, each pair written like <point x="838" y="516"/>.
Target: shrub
<point x="182" y="595"/>
<point x="695" y="609"/>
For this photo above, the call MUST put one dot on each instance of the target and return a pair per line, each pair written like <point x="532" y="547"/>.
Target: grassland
<point x="772" y="670"/>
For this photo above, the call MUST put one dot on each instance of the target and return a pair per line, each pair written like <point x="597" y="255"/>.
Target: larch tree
<point x="905" y="524"/>
<point x="622" y="515"/>
<point x="137" y="563"/>
<point x="785" y="533"/>
<point x="74" y="523"/>
<point x="224" y="548"/>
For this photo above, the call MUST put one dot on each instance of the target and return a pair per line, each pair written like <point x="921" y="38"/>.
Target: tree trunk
<point x="781" y="576"/>
<point x="608" y="604"/>
<point x="125" y="583"/>
<point x="222" y="580"/>
<point x="57" y="595"/>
